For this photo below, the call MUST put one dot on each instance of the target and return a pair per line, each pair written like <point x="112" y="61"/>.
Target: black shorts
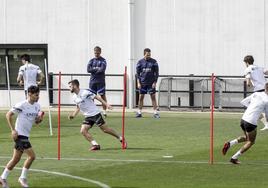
<point x="147" y="89"/>
<point x="261" y="90"/>
<point x="246" y="126"/>
<point x="22" y="143"/>
<point x="97" y="119"/>
<point x="97" y="88"/>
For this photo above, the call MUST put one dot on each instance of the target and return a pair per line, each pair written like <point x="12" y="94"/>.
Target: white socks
<point x="5" y="173"/>
<point x="24" y="173"/>
<point x="236" y="155"/>
<point x="94" y="143"/>
<point x="263" y="120"/>
<point x="233" y="142"/>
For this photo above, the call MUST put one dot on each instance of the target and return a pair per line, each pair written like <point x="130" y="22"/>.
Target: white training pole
<point x="49" y="113"/>
<point x="131" y="59"/>
<point x="8" y="82"/>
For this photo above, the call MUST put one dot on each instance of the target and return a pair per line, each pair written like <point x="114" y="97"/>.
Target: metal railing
<point x="194" y="91"/>
<point x="189" y="91"/>
<point x="84" y="81"/>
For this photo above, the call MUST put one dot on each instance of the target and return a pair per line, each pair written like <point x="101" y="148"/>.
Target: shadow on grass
<point x="133" y="149"/>
<point x="124" y="187"/>
<point x="83" y="187"/>
<point x="68" y="187"/>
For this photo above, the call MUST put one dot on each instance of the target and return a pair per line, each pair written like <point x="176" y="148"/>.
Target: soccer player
<point x="84" y="100"/>
<point x="97" y="66"/>
<point x="147" y="73"/>
<point x="28" y="74"/>
<point x="27" y="111"/>
<point x="256" y="104"/>
<point x="255" y="77"/>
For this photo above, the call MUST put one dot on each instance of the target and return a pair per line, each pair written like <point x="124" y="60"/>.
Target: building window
<point x="37" y="52"/>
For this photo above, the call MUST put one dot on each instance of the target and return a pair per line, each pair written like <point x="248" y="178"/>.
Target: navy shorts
<point x="147" y="89"/>
<point x="22" y="143"/>
<point x="246" y="126"/>
<point x="97" y="88"/>
<point x="97" y="119"/>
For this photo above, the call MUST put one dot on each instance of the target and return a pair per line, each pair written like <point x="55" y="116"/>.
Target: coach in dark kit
<point x="147" y="74"/>
<point x="97" y="66"/>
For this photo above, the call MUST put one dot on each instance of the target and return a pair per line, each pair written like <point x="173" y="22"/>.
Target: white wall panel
<point x="108" y="28"/>
<point x="207" y="36"/>
<point x="67" y="36"/>
<point x="186" y="36"/>
<point x="26" y="21"/>
<point x="202" y="37"/>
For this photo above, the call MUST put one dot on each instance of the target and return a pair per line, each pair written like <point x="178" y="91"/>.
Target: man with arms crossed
<point x="29" y="74"/>
<point x="28" y="113"/>
<point x="147" y="72"/>
<point x="84" y="100"/>
<point x="256" y="104"/>
<point x="96" y="67"/>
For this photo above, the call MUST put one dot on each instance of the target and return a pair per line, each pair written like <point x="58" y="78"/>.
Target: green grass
<point x="185" y="136"/>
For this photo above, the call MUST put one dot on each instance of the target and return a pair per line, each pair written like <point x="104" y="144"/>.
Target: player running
<point x="28" y="113"/>
<point x="256" y="104"/>
<point x="255" y="77"/>
<point x="84" y="100"/>
<point x="29" y="74"/>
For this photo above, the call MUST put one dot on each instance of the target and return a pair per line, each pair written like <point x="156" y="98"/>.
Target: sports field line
<point x="146" y="161"/>
<point x="102" y="185"/>
<point x="118" y="160"/>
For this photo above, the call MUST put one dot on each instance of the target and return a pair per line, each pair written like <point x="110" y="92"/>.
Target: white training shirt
<point x="256" y="75"/>
<point x="85" y="101"/>
<point x="26" y="116"/>
<point x="257" y="104"/>
<point x="29" y="72"/>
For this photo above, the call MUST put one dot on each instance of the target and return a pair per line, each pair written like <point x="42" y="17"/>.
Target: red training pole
<point x="124" y="108"/>
<point x="59" y="103"/>
<point x="212" y="119"/>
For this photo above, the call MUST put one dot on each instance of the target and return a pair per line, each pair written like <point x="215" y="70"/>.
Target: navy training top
<point x="147" y="71"/>
<point x="97" y="67"/>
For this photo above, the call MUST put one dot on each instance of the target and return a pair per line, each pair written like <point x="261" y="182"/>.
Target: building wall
<point x="185" y="36"/>
<point x="201" y="37"/>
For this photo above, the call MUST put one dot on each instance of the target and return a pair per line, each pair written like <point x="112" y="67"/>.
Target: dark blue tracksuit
<point x="97" y="67"/>
<point x="147" y="73"/>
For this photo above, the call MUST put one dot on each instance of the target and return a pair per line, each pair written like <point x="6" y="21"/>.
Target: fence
<point x="190" y="91"/>
<point x="174" y="91"/>
<point x="114" y="89"/>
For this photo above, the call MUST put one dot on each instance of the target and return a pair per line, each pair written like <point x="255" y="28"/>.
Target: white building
<point x="186" y="36"/>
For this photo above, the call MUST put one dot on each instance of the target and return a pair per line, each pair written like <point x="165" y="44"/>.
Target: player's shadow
<point x="133" y="149"/>
<point x="124" y="187"/>
<point x="72" y="187"/>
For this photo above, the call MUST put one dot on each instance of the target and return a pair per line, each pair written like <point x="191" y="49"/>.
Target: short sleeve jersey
<point x="26" y="116"/>
<point x="29" y="72"/>
<point x="85" y="101"/>
<point x="256" y="75"/>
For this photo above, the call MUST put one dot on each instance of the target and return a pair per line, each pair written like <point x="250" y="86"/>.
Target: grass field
<point x="185" y="136"/>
